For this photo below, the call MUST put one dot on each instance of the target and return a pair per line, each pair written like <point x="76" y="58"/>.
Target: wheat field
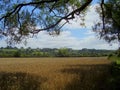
<point x="86" y="73"/>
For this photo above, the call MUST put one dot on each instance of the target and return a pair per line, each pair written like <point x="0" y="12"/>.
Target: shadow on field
<point x="88" y="77"/>
<point x="20" y="81"/>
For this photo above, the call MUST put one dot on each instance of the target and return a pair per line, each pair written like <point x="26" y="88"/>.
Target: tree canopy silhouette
<point x="21" y="19"/>
<point x="109" y="28"/>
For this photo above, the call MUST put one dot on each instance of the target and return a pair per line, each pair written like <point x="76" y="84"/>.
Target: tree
<point x="17" y="53"/>
<point x="109" y="28"/>
<point x="63" y="52"/>
<point x="20" y="19"/>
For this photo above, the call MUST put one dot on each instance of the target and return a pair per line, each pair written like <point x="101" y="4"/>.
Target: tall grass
<point x="54" y="73"/>
<point x="19" y="81"/>
<point x="88" y="77"/>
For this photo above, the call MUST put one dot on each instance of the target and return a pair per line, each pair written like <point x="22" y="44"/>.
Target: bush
<point x="17" y="54"/>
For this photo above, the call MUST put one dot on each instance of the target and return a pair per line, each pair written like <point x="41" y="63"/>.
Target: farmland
<point x="86" y="73"/>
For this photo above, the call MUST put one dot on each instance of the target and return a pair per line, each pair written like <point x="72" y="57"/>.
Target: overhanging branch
<point x="19" y="6"/>
<point x="67" y="17"/>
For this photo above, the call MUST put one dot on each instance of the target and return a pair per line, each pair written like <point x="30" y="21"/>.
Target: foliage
<point x="63" y="52"/>
<point x="21" y="19"/>
<point x="114" y="57"/>
<point x="114" y="80"/>
<point x="17" y="54"/>
<point x="109" y="28"/>
<point x="47" y="52"/>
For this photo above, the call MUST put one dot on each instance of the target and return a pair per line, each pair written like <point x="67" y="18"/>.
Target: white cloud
<point x="3" y="43"/>
<point x="92" y="16"/>
<point x="66" y="39"/>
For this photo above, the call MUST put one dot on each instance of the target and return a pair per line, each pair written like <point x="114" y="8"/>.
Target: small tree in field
<point x="63" y="52"/>
<point x="17" y="54"/>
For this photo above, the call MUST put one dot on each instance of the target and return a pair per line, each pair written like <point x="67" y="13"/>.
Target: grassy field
<point x="54" y="73"/>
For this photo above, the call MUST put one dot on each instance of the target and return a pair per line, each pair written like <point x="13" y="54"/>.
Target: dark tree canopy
<point x="22" y="19"/>
<point x="109" y="28"/>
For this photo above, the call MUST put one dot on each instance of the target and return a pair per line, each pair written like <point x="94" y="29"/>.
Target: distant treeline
<point x="48" y="52"/>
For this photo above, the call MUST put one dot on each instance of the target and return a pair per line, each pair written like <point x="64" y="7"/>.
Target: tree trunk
<point x="118" y="45"/>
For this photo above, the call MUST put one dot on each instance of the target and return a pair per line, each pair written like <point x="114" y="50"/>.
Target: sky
<point x="72" y="36"/>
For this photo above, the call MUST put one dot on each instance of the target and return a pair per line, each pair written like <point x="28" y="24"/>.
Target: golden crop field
<point x="87" y="73"/>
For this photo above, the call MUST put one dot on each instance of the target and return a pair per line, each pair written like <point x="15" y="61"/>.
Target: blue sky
<point x="72" y="36"/>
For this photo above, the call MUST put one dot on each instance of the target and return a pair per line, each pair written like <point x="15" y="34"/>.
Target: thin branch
<point x="19" y="19"/>
<point x="79" y="9"/>
<point x="52" y="7"/>
<point x="55" y="14"/>
<point x="66" y="17"/>
<point x="103" y="14"/>
<point x="19" y="6"/>
<point x="63" y="25"/>
<point x="70" y="16"/>
<point x="33" y="10"/>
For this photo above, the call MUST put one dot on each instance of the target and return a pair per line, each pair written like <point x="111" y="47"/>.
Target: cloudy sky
<point x="72" y="36"/>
